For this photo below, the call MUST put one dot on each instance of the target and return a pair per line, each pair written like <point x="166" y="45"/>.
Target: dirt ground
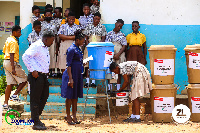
<point x="101" y="125"/>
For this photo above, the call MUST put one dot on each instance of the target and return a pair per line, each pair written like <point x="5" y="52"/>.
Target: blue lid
<point x="100" y="44"/>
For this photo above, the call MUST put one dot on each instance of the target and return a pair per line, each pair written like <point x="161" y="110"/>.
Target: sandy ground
<point x="102" y="125"/>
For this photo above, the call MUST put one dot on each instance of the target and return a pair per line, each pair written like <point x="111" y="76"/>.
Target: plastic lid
<point x="192" y="47"/>
<point x="162" y="47"/>
<point x="100" y="44"/>
<point x="169" y="86"/>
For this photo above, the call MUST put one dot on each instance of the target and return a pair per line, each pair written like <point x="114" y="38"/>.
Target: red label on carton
<point x="158" y="61"/>
<point x="193" y="54"/>
<point x="158" y="98"/>
<point x="195" y="99"/>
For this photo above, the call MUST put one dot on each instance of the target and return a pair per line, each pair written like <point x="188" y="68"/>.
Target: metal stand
<point x="106" y="77"/>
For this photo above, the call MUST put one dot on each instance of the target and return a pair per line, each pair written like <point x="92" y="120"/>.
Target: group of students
<point x="61" y="43"/>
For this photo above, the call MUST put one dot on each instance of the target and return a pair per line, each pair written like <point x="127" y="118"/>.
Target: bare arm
<point x="121" y="50"/>
<point x="145" y="49"/>
<point x="103" y="38"/>
<point x="63" y="37"/>
<point x="12" y="63"/>
<point x="125" y="84"/>
<point x="70" y="77"/>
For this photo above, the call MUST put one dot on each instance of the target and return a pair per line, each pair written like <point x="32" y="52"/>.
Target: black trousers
<point x="39" y="94"/>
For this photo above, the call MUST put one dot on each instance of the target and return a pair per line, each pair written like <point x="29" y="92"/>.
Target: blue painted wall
<point x="177" y="35"/>
<point x="23" y="44"/>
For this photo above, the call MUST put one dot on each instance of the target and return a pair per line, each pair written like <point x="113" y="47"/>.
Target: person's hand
<point x="71" y="83"/>
<point x="116" y="57"/>
<point x="35" y="74"/>
<point x="84" y="64"/>
<point x="14" y="72"/>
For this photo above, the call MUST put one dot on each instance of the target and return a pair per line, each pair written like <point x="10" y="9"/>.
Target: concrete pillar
<point x="58" y="3"/>
<point x="25" y="12"/>
<point x="50" y="2"/>
<point x="26" y="26"/>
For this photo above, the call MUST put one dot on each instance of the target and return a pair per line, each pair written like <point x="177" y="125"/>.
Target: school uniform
<point x="33" y="37"/>
<point x="11" y="46"/>
<point x="94" y="9"/>
<point x="34" y="18"/>
<point x="66" y="30"/>
<point x="57" y="22"/>
<point x="84" y="21"/>
<point x="64" y="21"/>
<point x="118" y="40"/>
<point x="37" y="58"/>
<point x="94" y="34"/>
<point x="141" y="82"/>
<point x="135" y="52"/>
<point x="50" y="27"/>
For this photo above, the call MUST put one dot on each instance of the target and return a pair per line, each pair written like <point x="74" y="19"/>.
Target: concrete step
<point x="57" y="89"/>
<point x="58" y="99"/>
<point x="60" y="108"/>
<point x="59" y="116"/>
<point x="55" y="81"/>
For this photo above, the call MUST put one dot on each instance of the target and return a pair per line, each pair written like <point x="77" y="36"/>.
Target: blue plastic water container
<point x="98" y="51"/>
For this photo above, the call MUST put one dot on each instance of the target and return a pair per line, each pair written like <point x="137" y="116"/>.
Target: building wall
<point x="172" y="22"/>
<point x="66" y="4"/>
<point x="8" y="11"/>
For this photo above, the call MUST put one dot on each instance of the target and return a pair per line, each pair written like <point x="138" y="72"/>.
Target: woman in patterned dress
<point x="119" y="40"/>
<point x="72" y="79"/>
<point x="141" y="84"/>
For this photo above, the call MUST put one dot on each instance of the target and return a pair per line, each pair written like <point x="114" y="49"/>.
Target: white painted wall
<point x="157" y="12"/>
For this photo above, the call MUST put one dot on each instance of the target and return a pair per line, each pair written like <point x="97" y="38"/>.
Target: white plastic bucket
<point x="123" y="98"/>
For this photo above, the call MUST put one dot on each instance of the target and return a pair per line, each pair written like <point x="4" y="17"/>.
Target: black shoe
<point x="128" y="119"/>
<point x="92" y="85"/>
<point x="77" y="122"/>
<point x="54" y="75"/>
<point x="70" y="123"/>
<point x="50" y="75"/>
<point x="59" y="75"/>
<point x="38" y="127"/>
<point x="86" y="85"/>
<point x="134" y="120"/>
<point x="41" y="123"/>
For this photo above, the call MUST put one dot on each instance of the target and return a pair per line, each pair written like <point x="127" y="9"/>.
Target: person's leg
<point x="136" y="109"/>
<point x="62" y="70"/>
<point x="44" y="95"/>
<point x="20" y="87"/>
<point x="36" y="91"/>
<point x="68" y="106"/>
<point x="7" y="93"/>
<point x="74" y="109"/>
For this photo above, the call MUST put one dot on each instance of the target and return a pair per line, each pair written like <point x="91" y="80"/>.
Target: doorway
<point x="77" y="6"/>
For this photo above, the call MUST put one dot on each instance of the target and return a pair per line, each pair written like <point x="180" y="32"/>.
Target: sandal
<point x="70" y="123"/>
<point x="77" y="122"/>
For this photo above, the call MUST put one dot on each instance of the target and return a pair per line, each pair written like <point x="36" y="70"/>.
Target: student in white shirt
<point x="37" y="60"/>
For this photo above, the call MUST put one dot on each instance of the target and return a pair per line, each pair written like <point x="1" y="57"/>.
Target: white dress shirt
<point x="37" y="57"/>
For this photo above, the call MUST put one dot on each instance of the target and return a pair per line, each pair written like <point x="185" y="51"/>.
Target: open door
<point x="77" y="6"/>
